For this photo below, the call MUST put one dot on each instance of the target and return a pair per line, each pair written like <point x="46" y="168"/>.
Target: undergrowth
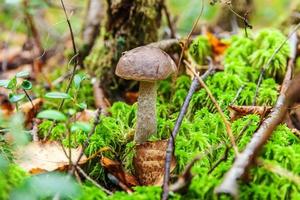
<point x="202" y="130"/>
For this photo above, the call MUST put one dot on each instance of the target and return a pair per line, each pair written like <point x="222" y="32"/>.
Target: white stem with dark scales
<point x="146" y="115"/>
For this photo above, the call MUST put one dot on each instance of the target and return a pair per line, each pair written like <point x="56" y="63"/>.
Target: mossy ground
<point x="202" y="129"/>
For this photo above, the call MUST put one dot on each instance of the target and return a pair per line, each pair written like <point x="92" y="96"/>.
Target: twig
<point x="237" y="95"/>
<point x="244" y="19"/>
<point x="172" y="31"/>
<point x="61" y="78"/>
<point x="223" y="158"/>
<point x="75" y="56"/>
<point x="170" y="149"/>
<point x="264" y="68"/>
<point x="244" y="161"/>
<point x="28" y="97"/>
<point x="226" y="122"/>
<point x="189" y="35"/>
<point x="116" y="181"/>
<point x="92" y="181"/>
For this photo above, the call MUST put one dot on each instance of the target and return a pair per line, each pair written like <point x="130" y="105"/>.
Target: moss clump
<point x="140" y="193"/>
<point x="11" y="176"/>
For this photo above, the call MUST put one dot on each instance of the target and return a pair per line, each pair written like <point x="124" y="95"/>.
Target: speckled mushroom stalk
<point x="146" y="115"/>
<point x="147" y="65"/>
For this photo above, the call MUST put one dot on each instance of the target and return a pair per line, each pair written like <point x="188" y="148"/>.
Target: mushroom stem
<point x="146" y="115"/>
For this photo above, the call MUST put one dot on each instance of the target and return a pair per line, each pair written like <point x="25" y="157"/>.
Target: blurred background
<point x="50" y="18"/>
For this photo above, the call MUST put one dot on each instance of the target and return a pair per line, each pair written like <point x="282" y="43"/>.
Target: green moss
<point x="202" y="129"/>
<point x="200" y="49"/>
<point x="10" y="177"/>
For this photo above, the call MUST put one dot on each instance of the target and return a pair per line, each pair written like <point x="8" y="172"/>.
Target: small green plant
<point x="12" y="85"/>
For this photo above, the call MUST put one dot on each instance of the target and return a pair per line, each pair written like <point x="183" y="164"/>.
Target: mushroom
<point x="147" y="65"/>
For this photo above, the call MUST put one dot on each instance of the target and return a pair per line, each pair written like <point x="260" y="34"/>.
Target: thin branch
<point x="237" y="95"/>
<point x="223" y="158"/>
<point x="226" y="122"/>
<point x="92" y="181"/>
<point x="170" y="149"/>
<point x="185" y="44"/>
<point x="28" y="97"/>
<point x="246" y="159"/>
<point x="75" y="57"/>
<point x="172" y="31"/>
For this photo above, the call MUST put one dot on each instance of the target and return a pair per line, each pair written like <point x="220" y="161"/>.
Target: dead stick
<point x="92" y="181"/>
<point x="170" y="149"/>
<point x="189" y="35"/>
<point x="172" y="31"/>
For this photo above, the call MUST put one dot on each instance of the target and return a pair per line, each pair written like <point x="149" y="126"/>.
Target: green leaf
<point x="57" y="95"/>
<point x="78" y="78"/>
<point x="26" y="85"/>
<point x="4" y="83"/>
<point x="83" y="126"/>
<point x="12" y="83"/>
<point x="82" y="105"/>
<point x="22" y="74"/>
<point x="13" y="98"/>
<point x="52" y="114"/>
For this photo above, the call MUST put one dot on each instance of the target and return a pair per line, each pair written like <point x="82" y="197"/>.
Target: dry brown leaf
<point x="240" y="111"/>
<point x="116" y="169"/>
<point x="30" y="111"/>
<point x="149" y="162"/>
<point x="7" y="108"/>
<point x="218" y="46"/>
<point x="39" y="157"/>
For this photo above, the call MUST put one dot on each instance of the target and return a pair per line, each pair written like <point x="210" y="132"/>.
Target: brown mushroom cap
<point x="145" y="64"/>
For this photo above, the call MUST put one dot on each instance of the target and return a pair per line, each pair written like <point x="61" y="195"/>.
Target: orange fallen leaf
<point x="149" y="162"/>
<point x="240" y="111"/>
<point x="218" y="46"/>
<point x="116" y="169"/>
<point x="38" y="157"/>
